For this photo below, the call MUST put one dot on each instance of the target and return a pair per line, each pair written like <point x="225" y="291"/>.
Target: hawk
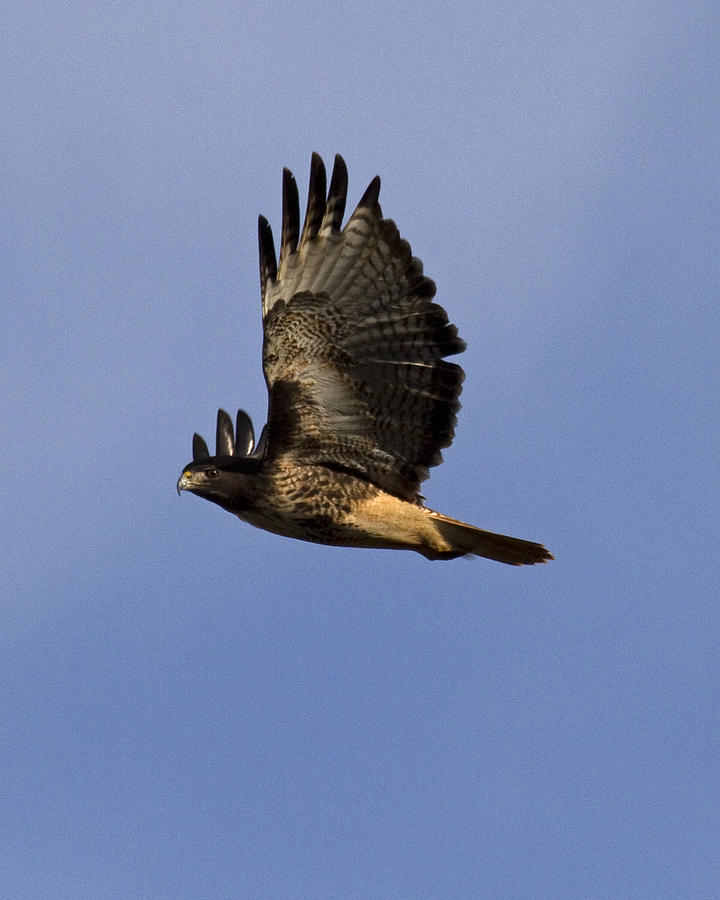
<point x="361" y="398"/>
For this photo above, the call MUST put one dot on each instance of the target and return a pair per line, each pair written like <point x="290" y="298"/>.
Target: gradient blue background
<point x="192" y="708"/>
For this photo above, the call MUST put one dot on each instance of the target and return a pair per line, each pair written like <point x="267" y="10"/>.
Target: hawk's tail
<point x="463" y="539"/>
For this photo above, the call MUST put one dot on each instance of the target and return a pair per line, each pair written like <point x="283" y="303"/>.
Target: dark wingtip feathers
<point x="290" y="216"/>
<point x="317" y="192"/>
<point x="241" y="442"/>
<point x="337" y="196"/>
<point x="199" y="448"/>
<point x="370" y="198"/>
<point x="224" y="438"/>
<point x="324" y="213"/>
<point x="244" y="434"/>
<point x="266" y="246"/>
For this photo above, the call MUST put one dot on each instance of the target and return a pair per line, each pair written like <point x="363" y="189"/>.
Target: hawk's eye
<point x="212" y="473"/>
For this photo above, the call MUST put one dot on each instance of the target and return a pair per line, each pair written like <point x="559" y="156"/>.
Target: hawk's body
<point x="361" y="400"/>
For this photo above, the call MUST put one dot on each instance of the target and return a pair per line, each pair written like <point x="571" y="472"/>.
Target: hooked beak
<point x="184" y="482"/>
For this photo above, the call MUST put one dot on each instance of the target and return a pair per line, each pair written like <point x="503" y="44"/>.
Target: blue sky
<point x="193" y="708"/>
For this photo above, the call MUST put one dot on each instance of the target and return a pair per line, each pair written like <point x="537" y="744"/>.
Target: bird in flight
<point x="361" y="398"/>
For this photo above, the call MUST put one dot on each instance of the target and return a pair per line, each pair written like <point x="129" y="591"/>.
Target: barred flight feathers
<point x="354" y="346"/>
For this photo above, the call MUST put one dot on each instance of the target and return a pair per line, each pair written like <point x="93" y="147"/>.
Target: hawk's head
<point x="225" y="478"/>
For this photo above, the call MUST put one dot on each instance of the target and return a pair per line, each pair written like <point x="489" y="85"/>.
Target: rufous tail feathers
<point x="463" y="539"/>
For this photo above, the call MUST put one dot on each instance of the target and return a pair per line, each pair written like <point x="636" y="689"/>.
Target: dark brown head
<point x="225" y="478"/>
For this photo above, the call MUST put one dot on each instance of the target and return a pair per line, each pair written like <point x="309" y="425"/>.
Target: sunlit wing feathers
<point x="239" y="443"/>
<point x="224" y="440"/>
<point x="244" y="434"/>
<point x="353" y="348"/>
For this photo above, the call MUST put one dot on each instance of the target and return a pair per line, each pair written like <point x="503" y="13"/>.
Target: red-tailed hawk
<point x="361" y="400"/>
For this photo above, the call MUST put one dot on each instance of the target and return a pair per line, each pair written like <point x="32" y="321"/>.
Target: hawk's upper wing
<point x="353" y="348"/>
